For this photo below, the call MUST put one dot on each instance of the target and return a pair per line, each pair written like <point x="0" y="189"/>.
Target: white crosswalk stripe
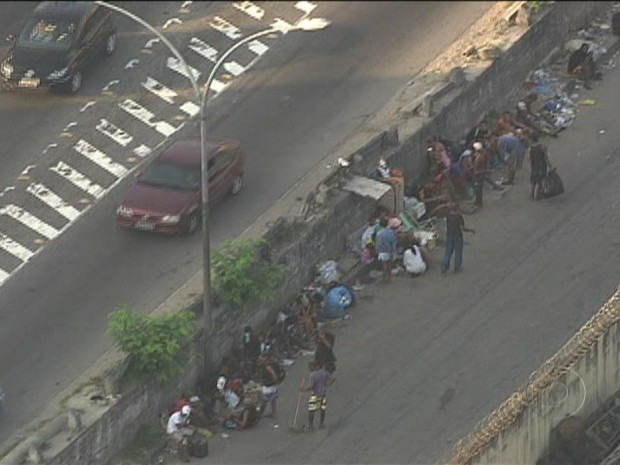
<point x="15" y="248"/>
<point x="53" y="201"/>
<point x="142" y="114"/>
<point x="234" y="68"/>
<point x="175" y="65"/>
<point x="116" y="134"/>
<point x="229" y="30"/>
<point x="203" y="49"/>
<point x="306" y="7"/>
<point x="78" y="179"/>
<point x="190" y="108"/>
<point x="3" y="275"/>
<point x="250" y="9"/>
<point x="258" y="47"/>
<point x="30" y="221"/>
<point x="99" y="158"/>
<point x="157" y="88"/>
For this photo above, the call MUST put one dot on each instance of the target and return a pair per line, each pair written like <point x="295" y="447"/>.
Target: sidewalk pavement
<point x="423" y="359"/>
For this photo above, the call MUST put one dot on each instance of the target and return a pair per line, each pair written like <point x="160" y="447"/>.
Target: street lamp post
<point x="309" y="24"/>
<point x="306" y="24"/>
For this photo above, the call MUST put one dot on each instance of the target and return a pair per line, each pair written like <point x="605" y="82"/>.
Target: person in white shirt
<point x="178" y="428"/>
<point x="413" y="261"/>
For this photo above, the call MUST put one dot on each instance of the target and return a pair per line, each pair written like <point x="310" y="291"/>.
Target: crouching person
<point x="179" y="430"/>
<point x="414" y="261"/>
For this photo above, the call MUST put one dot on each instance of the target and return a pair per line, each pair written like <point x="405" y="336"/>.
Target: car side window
<point x="221" y="162"/>
<point x="92" y="25"/>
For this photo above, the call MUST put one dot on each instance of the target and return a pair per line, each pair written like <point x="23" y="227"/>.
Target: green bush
<point x="155" y="344"/>
<point x="241" y="276"/>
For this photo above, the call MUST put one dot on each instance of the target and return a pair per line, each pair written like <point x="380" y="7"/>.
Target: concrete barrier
<point x="577" y="380"/>
<point x="395" y="133"/>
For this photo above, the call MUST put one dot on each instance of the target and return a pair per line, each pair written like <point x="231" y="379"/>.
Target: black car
<point x="57" y="43"/>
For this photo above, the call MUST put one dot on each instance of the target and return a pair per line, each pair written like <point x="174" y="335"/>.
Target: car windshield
<point x="48" y="33"/>
<point x="163" y="174"/>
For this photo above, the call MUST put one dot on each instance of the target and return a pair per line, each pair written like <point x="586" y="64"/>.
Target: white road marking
<point x="30" y="221"/>
<point x="15" y="248"/>
<point x="171" y="21"/>
<point x="175" y="65"/>
<point x="6" y="190"/>
<point x="78" y="179"/>
<point x="186" y="4"/>
<point x="49" y="146"/>
<point x="87" y="106"/>
<point x="234" y="68"/>
<point x="281" y="25"/>
<point x="157" y="88"/>
<point x="258" y="47"/>
<point x="99" y="158"/>
<point x="3" y="275"/>
<point x="142" y="151"/>
<point x="190" y="108"/>
<point x="306" y="7"/>
<point x="115" y="133"/>
<point x="203" y="49"/>
<point x="229" y="30"/>
<point x="142" y="114"/>
<point x="150" y="43"/>
<point x="250" y="9"/>
<point x="26" y="170"/>
<point x="110" y="84"/>
<point x="131" y="63"/>
<point x="69" y="126"/>
<point x="53" y="201"/>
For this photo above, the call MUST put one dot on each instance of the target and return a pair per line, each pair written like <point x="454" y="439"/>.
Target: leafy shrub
<point x="155" y="344"/>
<point x="241" y="276"/>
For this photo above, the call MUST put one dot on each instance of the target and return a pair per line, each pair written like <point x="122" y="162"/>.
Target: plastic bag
<point x="328" y="272"/>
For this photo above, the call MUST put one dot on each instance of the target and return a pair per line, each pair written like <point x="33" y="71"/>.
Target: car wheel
<point x="192" y="223"/>
<point x="110" y="44"/>
<point x="236" y="185"/>
<point x="75" y="84"/>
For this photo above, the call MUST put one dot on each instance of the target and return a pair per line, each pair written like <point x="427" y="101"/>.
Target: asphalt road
<point x="305" y="95"/>
<point x="423" y="360"/>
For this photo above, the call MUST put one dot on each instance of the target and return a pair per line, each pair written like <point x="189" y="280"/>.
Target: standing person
<point x="385" y="245"/>
<point x="539" y="166"/>
<point x="324" y="353"/>
<point x="455" y="225"/>
<point x="250" y="345"/>
<point x="481" y="173"/>
<point x="271" y="375"/>
<point x="320" y="379"/>
<point x="512" y="149"/>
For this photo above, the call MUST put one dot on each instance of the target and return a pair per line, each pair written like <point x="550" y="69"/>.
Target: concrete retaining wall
<point x="577" y="380"/>
<point x="325" y="237"/>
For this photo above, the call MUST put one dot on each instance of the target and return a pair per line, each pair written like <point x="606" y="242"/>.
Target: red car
<point x="167" y="195"/>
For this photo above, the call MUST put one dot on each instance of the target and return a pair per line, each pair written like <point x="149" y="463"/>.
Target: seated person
<point x="179" y="430"/>
<point x="581" y="64"/>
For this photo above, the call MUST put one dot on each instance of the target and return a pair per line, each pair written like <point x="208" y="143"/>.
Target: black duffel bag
<point x="552" y="185"/>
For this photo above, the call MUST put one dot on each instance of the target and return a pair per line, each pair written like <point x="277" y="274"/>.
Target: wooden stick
<point x="303" y="380"/>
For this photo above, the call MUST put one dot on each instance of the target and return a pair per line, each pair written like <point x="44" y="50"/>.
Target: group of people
<point x="385" y="242"/>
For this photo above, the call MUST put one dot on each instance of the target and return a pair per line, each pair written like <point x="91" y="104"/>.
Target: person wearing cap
<point x="481" y="173"/>
<point x="178" y="428"/>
